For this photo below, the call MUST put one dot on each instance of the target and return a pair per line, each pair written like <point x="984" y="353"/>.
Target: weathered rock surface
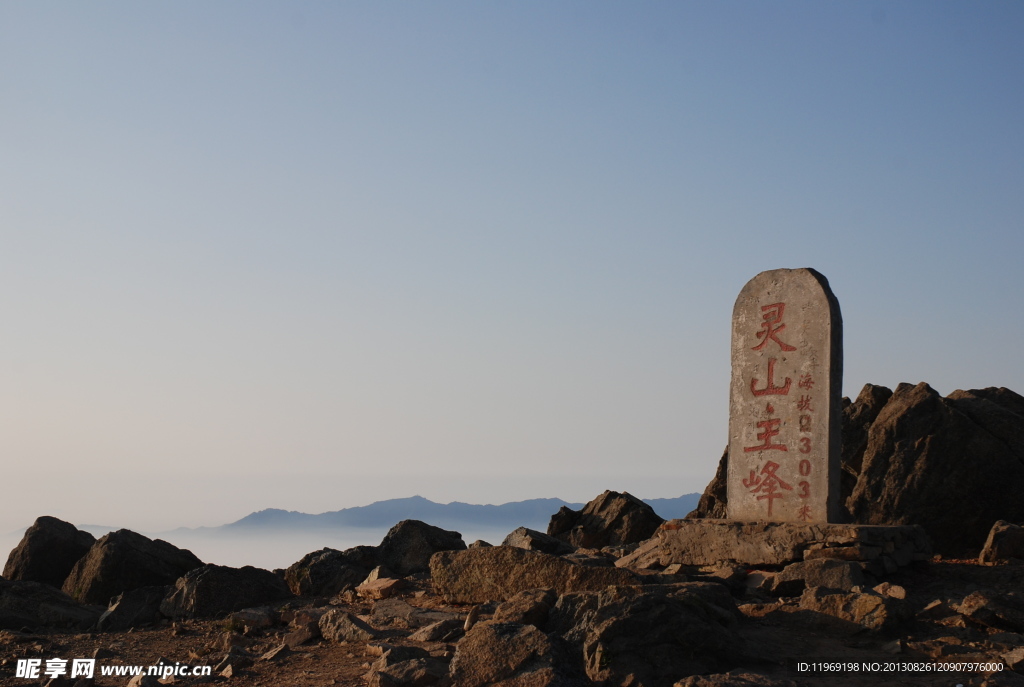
<point x="651" y="635"/>
<point x="47" y="552"/>
<point x="869" y="609"/>
<point x="408" y="546"/>
<point x="497" y="573"/>
<point x="133" y="609"/>
<point x="36" y="604"/>
<point x="953" y="465"/>
<point x="508" y="654"/>
<point x="710" y="542"/>
<point x="327" y="572"/>
<point x="1000" y="610"/>
<point x="337" y="625"/>
<point x="818" y="572"/>
<point x="1005" y="541"/>
<point x="734" y="678"/>
<point x="611" y="519"/>
<point x="214" y="590"/>
<point x="857" y="418"/>
<point x="532" y="540"/>
<point x="124" y="560"/>
<point x="529" y="607"/>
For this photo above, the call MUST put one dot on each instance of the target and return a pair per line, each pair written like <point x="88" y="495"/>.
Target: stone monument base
<point x="881" y="549"/>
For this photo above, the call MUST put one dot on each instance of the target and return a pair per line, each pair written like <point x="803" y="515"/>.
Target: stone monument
<point x="783" y="461"/>
<point x="785" y="403"/>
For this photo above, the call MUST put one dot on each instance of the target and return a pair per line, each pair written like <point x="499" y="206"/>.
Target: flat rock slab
<point x="709" y="542"/>
<point x="500" y="572"/>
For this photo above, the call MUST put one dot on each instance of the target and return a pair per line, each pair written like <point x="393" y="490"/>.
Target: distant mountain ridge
<point x="533" y="513"/>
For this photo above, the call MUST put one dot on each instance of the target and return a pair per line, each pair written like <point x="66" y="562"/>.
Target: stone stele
<point x="784" y="400"/>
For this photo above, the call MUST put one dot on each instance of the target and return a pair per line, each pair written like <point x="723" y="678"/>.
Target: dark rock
<point x="999" y="610"/>
<point x="480" y="544"/>
<point x="419" y="671"/>
<point x="529" y="607"/>
<point x="612" y="519"/>
<point x="1005" y="541"/>
<point x="328" y="572"/>
<point x="133" y="609"/>
<point x="305" y="632"/>
<point x="656" y="634"/>
<point x="338" y="626"/>
<point x="734" y="678"/>
<point x="47" y="552"/>
<point x="532" y="540"/>
<point x="818" y="572"/>
<point x="36" y="604"/>
<point x="953" y="465"/>
<point x="408" y="546"/>
<point x="500" y="572"/>
<point x="124" y="560"/>
<point x="214" y="590"/>
<point x="507" y="653"/>
<point x="856" y="421"/>
<point x="714" y="502"/>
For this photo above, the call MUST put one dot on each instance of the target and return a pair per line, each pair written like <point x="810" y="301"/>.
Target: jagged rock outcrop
<point x="124" y="560"/>
<point x="953" y="465"/>
<point x="715" y="499"/>
<point x="328" y="571"/>
<point x="36" y="604"/>
<point x="499" y="572"/>
<point x="47" y="552"/>
<point x="407" y="547"/>
<point x="612" y="519"/>
<point x="214" y="590"/>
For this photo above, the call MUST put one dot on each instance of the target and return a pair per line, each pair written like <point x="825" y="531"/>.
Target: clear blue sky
<point x="310" y="254"/>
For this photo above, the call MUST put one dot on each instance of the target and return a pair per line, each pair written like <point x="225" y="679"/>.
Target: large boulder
<point x="407" y="547"/>
<point x="328" y="571"/>
<point x="953" y="465"/>
<point x="1005" y="541"/>
<point x="509" y="654"/>
<point x="133" y="609"/>
<point x="124" y="560"/>
<point x="649" y="636"/>
<point x="500" y="572"/>
<point x="214" y="590"/>
<point x="612" y="519"/>
<point x="47" y="552"/>
<point x="532" y="540"/>
<point x="36" y="604"/>
<point x="857" y="419"/>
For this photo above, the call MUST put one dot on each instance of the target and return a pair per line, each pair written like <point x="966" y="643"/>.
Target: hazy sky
<point x="309" y="255"/>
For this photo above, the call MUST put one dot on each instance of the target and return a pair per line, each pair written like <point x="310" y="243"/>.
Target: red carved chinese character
<point x="771" y="428"/>
<point x="768" y="483"/>
<point x="804" y="513"/>
<point x="804" y="404"/>
<point x="769" y="387"/>
<point x="806" y="382"/>
<point x="771" y="326"/>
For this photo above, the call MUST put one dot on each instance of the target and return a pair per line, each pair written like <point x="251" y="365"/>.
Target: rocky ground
<point x="413" y="636"/>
